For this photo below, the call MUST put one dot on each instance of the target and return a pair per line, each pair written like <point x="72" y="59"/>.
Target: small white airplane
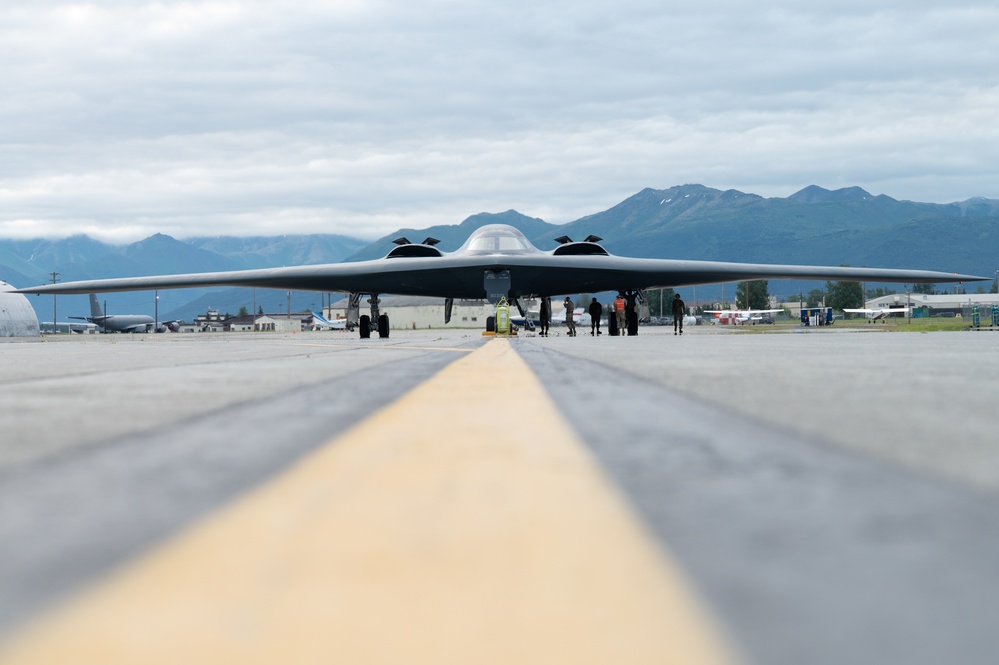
<point x="579" y="316"/>
<point x="879" y="313"/>
<point x="740" y="316"/>
<point x="321" y="322"/>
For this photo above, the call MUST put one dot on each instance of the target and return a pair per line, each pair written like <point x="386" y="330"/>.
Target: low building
<point x="940" y="304"/>
<point x="210" y="317"/>
<point x="411" y="312"/>
<point x="238" y="323"/>
<point x="282" y="323"/>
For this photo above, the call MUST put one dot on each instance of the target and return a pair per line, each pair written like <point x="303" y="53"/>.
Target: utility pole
<point x="55" y="278"/>
<point x="908" y="305"/>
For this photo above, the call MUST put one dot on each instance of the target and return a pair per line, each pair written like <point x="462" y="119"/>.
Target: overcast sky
<point x="123" y="119"/>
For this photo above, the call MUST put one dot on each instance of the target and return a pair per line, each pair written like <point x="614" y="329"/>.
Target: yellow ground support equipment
<point x="502" y="317"/>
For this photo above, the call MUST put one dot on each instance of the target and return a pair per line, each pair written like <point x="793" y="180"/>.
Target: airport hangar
<point x="948" y="303"/>
<point x="17" y="317"/>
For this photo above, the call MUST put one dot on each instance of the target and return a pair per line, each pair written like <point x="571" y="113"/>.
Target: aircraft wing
<point x="877" y="313"/>
<point x="879" y="310"/>
<point x="423" y="270"/>
<point x="742" y="312"/>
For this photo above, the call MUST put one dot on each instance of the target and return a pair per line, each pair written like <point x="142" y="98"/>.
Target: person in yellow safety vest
<point x="619" y="305"/>
<point x="570" y="323"/>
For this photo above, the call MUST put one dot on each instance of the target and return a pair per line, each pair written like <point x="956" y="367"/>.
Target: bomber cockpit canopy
<point x="498" y="239"/>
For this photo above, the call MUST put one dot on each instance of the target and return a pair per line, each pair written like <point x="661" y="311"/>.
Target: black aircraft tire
<point x="633" y="323"/>
<point x="612" y="325"/>
<point x="383" y="326"/>
<point x="365" y="326"/>
<point x="490" y="324"/>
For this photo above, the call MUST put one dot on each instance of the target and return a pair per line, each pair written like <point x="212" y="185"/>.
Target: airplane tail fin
<point x="322" y="322"/>
<point x="95" y="307"/>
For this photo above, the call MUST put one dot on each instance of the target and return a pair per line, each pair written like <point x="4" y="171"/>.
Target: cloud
<point x="121" y="119"/>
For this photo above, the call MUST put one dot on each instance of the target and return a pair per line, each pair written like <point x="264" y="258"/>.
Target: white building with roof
<point x="947" y="303"/>
<point x="282" y="323"/>
<point x="411" y="312"/>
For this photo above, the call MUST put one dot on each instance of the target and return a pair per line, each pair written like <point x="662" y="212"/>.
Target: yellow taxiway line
<point x="432" y="532"/>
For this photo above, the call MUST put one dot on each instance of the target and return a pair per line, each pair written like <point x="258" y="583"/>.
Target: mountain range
<point x="813" y="226"/>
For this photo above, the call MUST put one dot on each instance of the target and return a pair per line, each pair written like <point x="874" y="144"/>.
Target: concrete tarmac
<point x="832" y="496"/>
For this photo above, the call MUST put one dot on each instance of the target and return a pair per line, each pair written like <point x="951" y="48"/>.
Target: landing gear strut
<point x="528" y="323"/>
<point x="365" y="327"/>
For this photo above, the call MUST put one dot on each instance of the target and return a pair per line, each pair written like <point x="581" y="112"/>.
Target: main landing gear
<point x="631" y="297"/>
<point x="364" y="322"/>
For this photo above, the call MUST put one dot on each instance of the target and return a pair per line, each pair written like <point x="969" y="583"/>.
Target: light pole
<point x="156" y="310"/>
<point x="55" y="328"/>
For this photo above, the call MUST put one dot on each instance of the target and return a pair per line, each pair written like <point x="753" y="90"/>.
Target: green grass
<point x="920" y="325"/>
<point x="912" y="325"/>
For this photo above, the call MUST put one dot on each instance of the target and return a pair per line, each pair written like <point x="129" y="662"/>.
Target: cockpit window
<point x="496" y="244"/>
<point x="498" y="239"/>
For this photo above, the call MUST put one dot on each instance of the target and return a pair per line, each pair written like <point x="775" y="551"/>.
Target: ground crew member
<point x="545" y="315"/>
<point x="630" y="314"/>
<point x="595" y="310"/>
<point x="619" y="305"/>
<point x="570" y="323"/>
<point x="679" y="309"/>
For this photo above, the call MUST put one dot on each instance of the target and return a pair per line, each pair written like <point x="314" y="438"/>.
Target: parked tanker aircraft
<point x="126" y="323"/>
<point x="496" y="261"/>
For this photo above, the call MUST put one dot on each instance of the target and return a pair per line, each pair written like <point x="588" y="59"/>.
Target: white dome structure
<point x="17" y="317"/>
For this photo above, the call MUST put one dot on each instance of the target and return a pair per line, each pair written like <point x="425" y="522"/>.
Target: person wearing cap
<point x="679" y="309"/>
<point x="570" y="323"/>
